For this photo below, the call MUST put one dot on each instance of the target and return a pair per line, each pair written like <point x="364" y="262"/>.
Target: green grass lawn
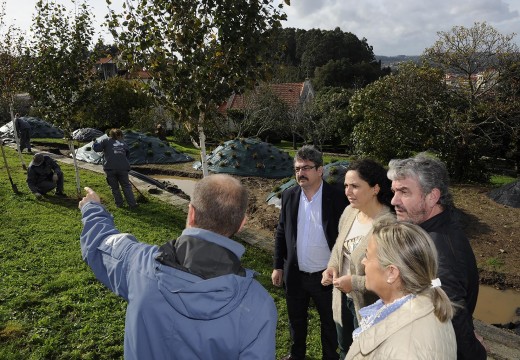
<point x="51" y="306"/>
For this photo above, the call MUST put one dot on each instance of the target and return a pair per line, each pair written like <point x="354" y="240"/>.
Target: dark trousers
<point x="25" y="139"/>
<point x="120" y="177"/>
<point x="349" y="320"/>
<point x="297" y="308"/>
<point x="47" y="185"/>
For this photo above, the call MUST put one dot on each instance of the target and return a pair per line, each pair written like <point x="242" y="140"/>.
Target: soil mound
<point x="86" y="134"/>
<point x="508" y="194"/>
<point x="144" y="149"/>
<point x="39" y="129"/>
<point x="249" y="157"/>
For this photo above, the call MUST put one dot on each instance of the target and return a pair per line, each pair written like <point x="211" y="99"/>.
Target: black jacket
<point x="459" y="277"/>
<point x="42" y="173"/>
<point x="334" y="202"/>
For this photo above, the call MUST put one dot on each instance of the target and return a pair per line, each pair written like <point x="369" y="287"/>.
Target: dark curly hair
<point x="374" y="174"/>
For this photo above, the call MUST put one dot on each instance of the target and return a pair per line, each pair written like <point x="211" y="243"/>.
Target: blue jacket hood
<point x="201" y="299"/>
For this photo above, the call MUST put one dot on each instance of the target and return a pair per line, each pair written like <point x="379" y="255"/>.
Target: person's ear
<point x="243" y="223"/>
<point x="433" y="197"/>
<point x="392" y="274"/>
<point x="191" y="216"/>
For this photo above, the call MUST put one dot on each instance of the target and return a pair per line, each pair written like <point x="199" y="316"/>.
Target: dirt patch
<point x="493" y="229"/>
<point x="494" y="233"/>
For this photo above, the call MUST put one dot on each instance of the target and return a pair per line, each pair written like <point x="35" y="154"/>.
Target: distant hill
<point x="393" y="61"/>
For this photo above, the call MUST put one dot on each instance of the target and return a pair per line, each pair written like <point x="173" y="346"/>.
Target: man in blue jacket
<point x="189" y="298"/>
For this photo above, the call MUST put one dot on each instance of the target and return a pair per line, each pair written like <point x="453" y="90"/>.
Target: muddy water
<point x="493" y="306"/>
<point x="496" y="306"/>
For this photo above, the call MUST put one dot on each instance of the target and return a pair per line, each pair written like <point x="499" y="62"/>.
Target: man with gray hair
<point x="421" y="196"/>
<point x="189" y="298"/>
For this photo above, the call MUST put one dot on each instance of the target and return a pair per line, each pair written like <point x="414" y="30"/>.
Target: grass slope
<point x="51" y="306"/>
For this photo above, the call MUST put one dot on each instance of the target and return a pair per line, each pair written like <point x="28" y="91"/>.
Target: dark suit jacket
<point x="334" y="202"/>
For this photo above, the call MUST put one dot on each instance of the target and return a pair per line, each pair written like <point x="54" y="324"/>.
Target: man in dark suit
<point x="305" y="235"/>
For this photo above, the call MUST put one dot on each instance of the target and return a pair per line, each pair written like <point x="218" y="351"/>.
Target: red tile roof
<point x="139" y="74"/>
<point x="290" y="93"/>
<point x="105" y="60"/>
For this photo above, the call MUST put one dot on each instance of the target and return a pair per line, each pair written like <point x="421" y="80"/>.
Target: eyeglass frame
<point x="304" y="168"/>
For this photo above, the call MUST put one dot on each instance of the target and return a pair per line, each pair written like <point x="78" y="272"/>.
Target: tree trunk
<point x="15" y="133"/>
<point x="516" y="152"/>
<point x="202" y="143"/>
<point x="76" y="168"/>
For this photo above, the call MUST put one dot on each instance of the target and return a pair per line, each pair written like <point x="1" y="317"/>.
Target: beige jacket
<point x="360" y="295"/>
<point x="411" y="332"/>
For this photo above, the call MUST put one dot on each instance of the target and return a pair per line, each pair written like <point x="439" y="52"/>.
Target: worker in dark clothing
<point x="23" y="130"/>
<point x="116" y="166"/>
<point x="43" y="175"/>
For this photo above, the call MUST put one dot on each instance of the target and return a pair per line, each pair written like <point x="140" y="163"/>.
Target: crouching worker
<point x="43" y="175"/>
<point x="189" y="298"/>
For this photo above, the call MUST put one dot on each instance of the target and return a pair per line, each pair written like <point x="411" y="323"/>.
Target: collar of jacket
<point x="406" y="314"/>
<point x="442" y="220"/>
<point x="202" y="257"/>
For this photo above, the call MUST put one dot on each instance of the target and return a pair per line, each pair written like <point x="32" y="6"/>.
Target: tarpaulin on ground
<point x="333" y="173"/>
<point x="249" y="157"/>
<point x="508" y="194"/>
<point x="144" y="149"/>
<point x="39" y="129"/>
<point x="86" y="134"/>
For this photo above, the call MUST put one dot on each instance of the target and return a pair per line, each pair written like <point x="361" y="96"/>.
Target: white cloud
<point x="392" y="27"/>
<point x="405" y="27"/>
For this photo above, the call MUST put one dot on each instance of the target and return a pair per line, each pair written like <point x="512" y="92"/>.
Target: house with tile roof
<point x="293" y="94"/>
<point x="106" y="67"/>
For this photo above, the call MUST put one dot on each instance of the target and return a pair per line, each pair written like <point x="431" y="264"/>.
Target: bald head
<point x="220" y="203"/>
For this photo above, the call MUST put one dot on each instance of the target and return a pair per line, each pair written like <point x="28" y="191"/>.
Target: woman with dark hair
<point x="412" y="318"/>
<point x="369" y="193"/>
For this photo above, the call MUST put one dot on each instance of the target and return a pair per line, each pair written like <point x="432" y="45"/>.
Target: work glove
<point x="55" y="178"/>
<point x="38" y="195"/>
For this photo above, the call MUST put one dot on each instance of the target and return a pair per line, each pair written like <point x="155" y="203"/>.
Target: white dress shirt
<point x="311" y="245"/>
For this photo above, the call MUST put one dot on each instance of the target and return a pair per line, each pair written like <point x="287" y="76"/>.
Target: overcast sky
<point x="403" y="27"/>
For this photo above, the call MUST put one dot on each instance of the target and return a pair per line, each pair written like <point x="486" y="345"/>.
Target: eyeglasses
<point x="304" y="168"/>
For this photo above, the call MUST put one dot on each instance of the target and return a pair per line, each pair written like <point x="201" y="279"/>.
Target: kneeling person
<point x="43" y="175"/>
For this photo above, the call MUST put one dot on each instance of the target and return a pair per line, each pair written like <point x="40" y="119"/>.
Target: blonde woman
<point x="368" y="191"/>
<point x="412" y="319"/>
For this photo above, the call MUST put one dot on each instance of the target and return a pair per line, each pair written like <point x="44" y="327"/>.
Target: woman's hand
<point x="343" y="283"/>
<point x="328" y="275"/>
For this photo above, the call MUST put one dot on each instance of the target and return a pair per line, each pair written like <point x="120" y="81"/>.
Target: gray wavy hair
<point x="430" y="173"/>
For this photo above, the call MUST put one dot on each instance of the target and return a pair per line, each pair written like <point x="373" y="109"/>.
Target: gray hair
<point x="429" y="172"/>
<point x="309" y="153"/>
<point x="409" y="248"/>
<point x="220" y="203"/>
